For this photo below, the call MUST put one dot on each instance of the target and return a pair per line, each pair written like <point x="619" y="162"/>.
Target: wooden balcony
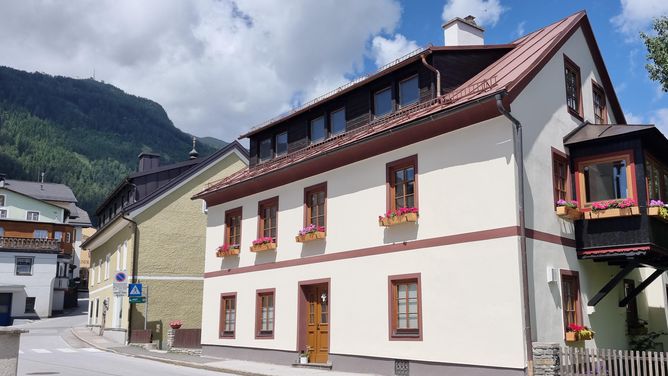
<point x="30" y="244"/>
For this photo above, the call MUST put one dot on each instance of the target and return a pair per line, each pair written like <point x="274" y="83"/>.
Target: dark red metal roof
<point x="610" y="251"/>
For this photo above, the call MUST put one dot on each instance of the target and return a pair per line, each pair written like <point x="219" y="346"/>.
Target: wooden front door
<point x="317" y="322"/>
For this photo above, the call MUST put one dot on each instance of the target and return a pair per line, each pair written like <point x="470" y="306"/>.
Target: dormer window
<point x="265" y="149"/>
<point x="281" y="143"/>
<point x="318" y="131"/>
<point x="338" y="121"/>
<point x="382" y="102"/>
<point x="409" y="92"/>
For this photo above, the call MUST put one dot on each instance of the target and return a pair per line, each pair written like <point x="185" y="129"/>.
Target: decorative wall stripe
<point x="100" y="289"/>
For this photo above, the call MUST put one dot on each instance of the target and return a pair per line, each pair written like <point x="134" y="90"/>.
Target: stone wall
<point x="546" y="359"/>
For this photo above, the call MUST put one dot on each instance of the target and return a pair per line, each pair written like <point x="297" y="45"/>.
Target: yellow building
<point x="150" y="229"/>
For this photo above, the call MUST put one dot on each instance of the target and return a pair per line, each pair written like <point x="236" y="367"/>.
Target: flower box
<point x="612" y="212"/>
<point x="571" y="337"/>
<point x="397" y="219"/>
<point x="568" y="212"/>
<point x="658" y="210"/>
<point x="263" y="247"/>
<point x="310" y="236"/>
<point x="225" y="250"/>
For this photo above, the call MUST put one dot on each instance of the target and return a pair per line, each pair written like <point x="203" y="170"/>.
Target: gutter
<point x="135" y="256"/>
<point x="519" y="160"/>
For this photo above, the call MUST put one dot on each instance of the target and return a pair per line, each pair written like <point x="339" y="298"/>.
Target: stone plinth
<point x="546" y="360"/>
<point x="10" y="339"/>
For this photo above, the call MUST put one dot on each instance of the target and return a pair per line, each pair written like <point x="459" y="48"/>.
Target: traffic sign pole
<point x="146" y="309"/>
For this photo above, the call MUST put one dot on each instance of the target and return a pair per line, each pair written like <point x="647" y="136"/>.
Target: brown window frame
<point x="582" y="163"/>
<point x="570" y="64"/>
<point x="222" y="318"/>
<point x="389" y="180"/>
<point x="259" y="333"/>
<point x="632" y="306"/>
<point x="229" y="214"/>
<point x="598" y="89"/>
<point x="573" y="276"/>
<point x="396" y="334"/>
<point x="322" y="187"/>
<point x="261" y="220"/>
<point x="560" y="157"/>
<point x="652" y="163"/>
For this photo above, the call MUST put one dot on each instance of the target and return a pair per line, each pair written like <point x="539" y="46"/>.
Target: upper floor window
<point x="314" y="198"/>
<point x="233" y="227"/>
<point x="2" y="200"/>
<point x="600" y="111"/>
<point x="560" y="176"/>
<point x="2" y="232"/>
<point x="3" y="213"/>
<point x="265" y="149"/>
<point x="409" y="91"/>
<point x="32" y="216"/>
<point x="268" y="212"/>
<point x="318" y="131"/>
<point x="405" y="307"/>
<point x="382" y="102"/>
<point x="107" y="261"/>
<point x="605" y="179"/>
<point x="337" y="121"/>
<point x="657" y="180"/>
<point x="68" y="237"/>
<point x="40" y="234"/>
<point x="573" y="87"/>
<point x="58" y="235"/>
<point x="24" y="265"/>
<point x="281" y="143"/>
<point x="228" y="315"/>
<point x="402" y="183"/>
<point x="570" y="295"/>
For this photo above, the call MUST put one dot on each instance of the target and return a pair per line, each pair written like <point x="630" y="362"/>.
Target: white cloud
<point x="637" y="15"/>
<point x="217" y="67"/>
<point x="519" y="30"/>
<point x="385" y="50"/>
<point x="486" y="12"/>
<point x="660" y="119"/>
<point x="633" y="119"/>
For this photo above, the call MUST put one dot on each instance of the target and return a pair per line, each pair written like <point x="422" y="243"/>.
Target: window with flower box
<point x="573" y="87"/>
<point x="600" y="110"/>
<point x="657" y="179"/>
<point x="608" y="177"/>
<point x="268" y="218"/>
<point x="402" y="183"/>
<point x="560" y="175"/>
<point x="264" y="313"/>
<point x="314" y="205"/>
<point x="570" y="295"/>
<point x="233" y="227"/>
<point x="405" y="310"/>
<point x="228" y="315"/>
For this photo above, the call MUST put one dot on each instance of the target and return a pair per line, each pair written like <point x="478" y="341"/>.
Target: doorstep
<point x="327" y="366"/>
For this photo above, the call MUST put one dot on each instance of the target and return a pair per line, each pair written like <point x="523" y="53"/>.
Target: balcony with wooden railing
<point x="30" y="244"/>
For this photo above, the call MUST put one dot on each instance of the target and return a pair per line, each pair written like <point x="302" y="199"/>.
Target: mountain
<point x="81" y="132"/>
<point x="213" y="142"/>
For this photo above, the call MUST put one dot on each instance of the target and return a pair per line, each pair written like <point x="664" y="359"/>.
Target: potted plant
<point x="613" y="208"/>
<point x="568" y="209"/>
<point x="303" y="355"/>
<point x="576" y="332"/>
<point x="175" y="324"/>
<point x="265" y="243"/>
<point x="228" y="250"/>
<point x="395" y="217"/>
<point x="310" y="232"/>
<point x="658" y="209"/>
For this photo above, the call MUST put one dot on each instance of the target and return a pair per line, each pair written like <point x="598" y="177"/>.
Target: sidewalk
<point x="238" y="367"/>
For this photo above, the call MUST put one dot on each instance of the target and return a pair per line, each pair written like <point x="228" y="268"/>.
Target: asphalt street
<point x="51" y="349"/>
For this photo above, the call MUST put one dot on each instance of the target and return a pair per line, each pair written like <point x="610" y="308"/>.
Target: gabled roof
<point x="41" y="191"/>
<point x="509" y="75"/>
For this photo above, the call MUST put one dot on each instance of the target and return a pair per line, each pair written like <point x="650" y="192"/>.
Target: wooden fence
<point x="188" y="338"/>
<point x="581" y="361"/>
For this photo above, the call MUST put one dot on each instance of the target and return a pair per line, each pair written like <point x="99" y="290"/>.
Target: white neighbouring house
<point x="40" y="227"/>
<point x="444" y="292"/>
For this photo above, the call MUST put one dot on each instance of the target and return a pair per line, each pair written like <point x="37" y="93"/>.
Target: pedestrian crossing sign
<point x="134" y="289"/>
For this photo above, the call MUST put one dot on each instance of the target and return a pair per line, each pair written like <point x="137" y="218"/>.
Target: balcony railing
<point x="29" y="244"/>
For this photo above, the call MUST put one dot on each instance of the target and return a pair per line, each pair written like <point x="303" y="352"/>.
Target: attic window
<point x="382" y="102"/>
<point x="281" y="143"/>
<point x="573" y="88"/>
<point x="265" y="149"/>
<point x="600" y="111"/>
<point x="318" y="132"/>
<point x="409" y="92"/>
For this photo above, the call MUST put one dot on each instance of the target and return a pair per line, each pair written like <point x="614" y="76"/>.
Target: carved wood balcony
<point x="29" y="244"/>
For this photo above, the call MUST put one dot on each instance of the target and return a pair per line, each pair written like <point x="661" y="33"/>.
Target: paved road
<point x="51" y="349"/>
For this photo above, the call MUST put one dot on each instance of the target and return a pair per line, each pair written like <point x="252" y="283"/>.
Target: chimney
<point x="2" y="180"/>
<point x="148" y="161"/>
<point x="463" y="32"/>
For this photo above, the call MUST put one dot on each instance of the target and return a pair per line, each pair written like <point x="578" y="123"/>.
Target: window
<point x="228" y="314"/>
<point x="570" y="295"/>
<point x="58" y="235"/>
<point x="632" y="321"/>
<point x="40" y="234"/>
<point x="32" y="216"/>
<point x="382" y="102"/>
<point x="106" y="267"/>
<point x="600" y="111"/>
<point x="118" y="258"/>
<point x="2" y="200"/>
<point x="268" y="212"/>
<point x="2" y="232"/>
<point x="657" y="179"/>
<point x="30" y="304"/>
<point x="92" y="276"/>
<point x="265" y="149"/>
<point x="233" y="227"/>
<point x="3" y="213"/>
<point x="314" y="201"/>
<point x="68" y="237"/>
<point x="405" y="307"/>
<point x="318" y="131"/>
<point x="573" y="91"/>
<point x="402" y="183"/>
<point x="337" y="121"/>
<point x="99" y="271"/>
<point x="24" y="265"/>
<point x="264" y="313"/>
<point x="281" y="143"/>
<point x="125" y="255"/>
<point x="409" y="91"/>
<point x="606" y="180"/>
<point x="560" y="175"/>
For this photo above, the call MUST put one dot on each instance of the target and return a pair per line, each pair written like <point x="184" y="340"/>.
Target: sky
<point x="221" y="67"/>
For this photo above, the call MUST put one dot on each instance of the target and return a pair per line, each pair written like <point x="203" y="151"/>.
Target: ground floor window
<point x="228" y="315"/>
<point x="570" y="294"/>
<point x="264" y="321"/>
<point x="405" y="307"/>
<point x="30" y="304"/>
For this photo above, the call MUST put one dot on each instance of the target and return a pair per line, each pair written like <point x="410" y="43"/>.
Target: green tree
<point x="657" y="51"/>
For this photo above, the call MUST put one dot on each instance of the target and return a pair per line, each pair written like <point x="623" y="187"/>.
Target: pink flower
<point x="263" y="240"/>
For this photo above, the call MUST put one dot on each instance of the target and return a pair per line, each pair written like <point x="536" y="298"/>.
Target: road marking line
<point x="90" y="349"/>
<point x="67" y="350"/>
<point x="42" y="351"/>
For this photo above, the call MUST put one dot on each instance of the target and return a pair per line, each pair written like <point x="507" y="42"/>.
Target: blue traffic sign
<point x="134" y="289"/>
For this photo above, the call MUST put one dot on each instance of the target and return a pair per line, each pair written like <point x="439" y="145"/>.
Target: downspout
<point x="519" y="159"/>
<point x="135" y="244"/>
<point x="438" y="75"/>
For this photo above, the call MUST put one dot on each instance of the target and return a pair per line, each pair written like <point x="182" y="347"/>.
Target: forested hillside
<point x="83" y="133"/>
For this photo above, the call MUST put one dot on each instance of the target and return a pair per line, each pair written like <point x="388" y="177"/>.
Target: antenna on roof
<point x="193" y="153"/>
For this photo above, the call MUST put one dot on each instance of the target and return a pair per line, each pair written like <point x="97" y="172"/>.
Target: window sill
<point x="227" y="336"/>
<point x="310" y="237"/>
<point x="575" y="113"/>
<point x="406" y="337"/>
<point x="612" y="213"/>
<point x="264" y="335"/>
<point x="397" y="219"/>
<point x="263" y="247"/>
